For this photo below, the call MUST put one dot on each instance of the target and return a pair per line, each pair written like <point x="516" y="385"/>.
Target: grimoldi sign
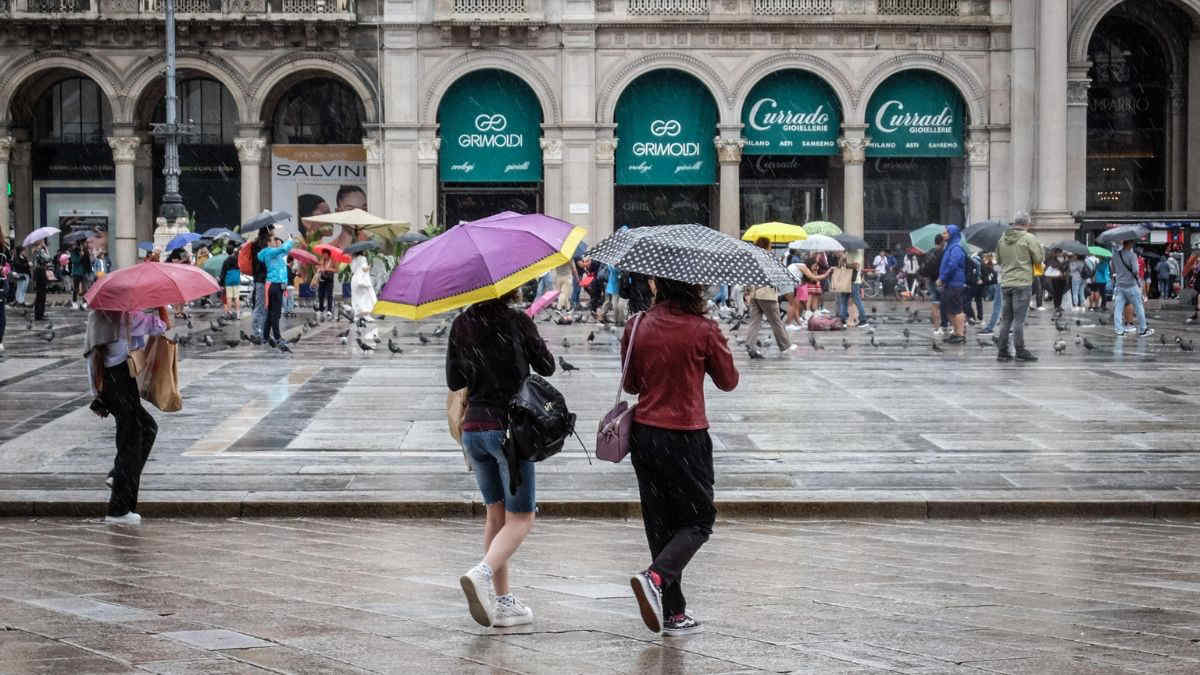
<point x="791" y="112"/>
<point x="490" y="124"/>
<point x="666" y="123"/>
<point x="916" y="113"/>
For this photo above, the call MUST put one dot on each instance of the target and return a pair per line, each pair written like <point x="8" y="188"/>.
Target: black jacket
<point x="481" y="357"/>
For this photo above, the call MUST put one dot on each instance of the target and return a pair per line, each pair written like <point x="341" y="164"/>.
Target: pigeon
<point x="393" y="348"/>
<point x="207" y="340"/>
<point x="364" y="346"/>
<point x="1184" y="346"/>
<point x="845" y="344"/>
<point x="395" y="331"/>
<point x="1060" y="346"/>
<point x="424" y="340"/>
<point x="222" y="322"/>
<point x="439" y="331"/>
<point x="1100" y="320"/>
<point x="566" y="343"/>
<point x="1078" y="322"/>
<point x="983" y="344"/>
<point x="934" y="345"/>
<point x="754" y="353"/>
<point x="873" y="341"/>
<point x="736" y="325"/>
<point x="1087" y="344"/>
<point x="565" y="365"/>
<point x="1061" y="328"/>
<point x="361" y="323"/>
<point x="244" y="336"/>
<point x="1078" y="340"/>
<point x="50" y="336"/>
<point x="874" y="310"/>
<point x="184" y="339"/>
<point x="344" y="334"/>
<point x="296" y="340"/>
<point x="189" y="324"/>
<point x="591" y="336"/>
<point x="1162" y="338"/>
<point x="344" y="340"/>
<point x="813" y="342"/>
<point x="212" y="325"/>
<point x="906" y="333"/>
<point x="343" y="314"/>
<point x="231" y="342"/>
<point x="311" y="323"/>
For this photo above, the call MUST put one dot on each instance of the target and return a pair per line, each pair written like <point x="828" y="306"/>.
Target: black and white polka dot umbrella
<point x="692" y="253"/>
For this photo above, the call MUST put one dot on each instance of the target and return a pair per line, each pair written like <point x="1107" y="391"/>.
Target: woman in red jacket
<point x="675" y="347"/>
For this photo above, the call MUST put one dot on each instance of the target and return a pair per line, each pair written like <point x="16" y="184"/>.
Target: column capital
<point x="1077" y="91"/>
<point x="21" y="153"/>
<point x="606" y="150"/>
<point x="427" y="149"/>
<point x="729" y="150"/>
<point x="249" y="149"/>
<point x="6" y="144"/>
<point x="374" y="149"/>
<point x="124" y="148"/>
<point x="551" y="150"/>
<point x="854" y="149"/>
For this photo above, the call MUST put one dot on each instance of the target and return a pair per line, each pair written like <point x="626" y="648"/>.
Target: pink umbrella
<point x="303" y="256"/>
<point x="150" y="284"/>
<point x="542" y="303"/>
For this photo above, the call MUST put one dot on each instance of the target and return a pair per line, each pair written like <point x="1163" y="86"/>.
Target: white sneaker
<point x="510" y="611"/>
<point x="649" y="599"/>
<point x="1" y="347"/>
<point x="791" y="328"/>
<point x="1042" y="308"/>
<point x="74" y="305"/>
<point x="477" y="586"/>
<point x="938" y="331"/>
<point x="791" y="348"/>
<point x="130" y="518"/>
<point x="807" y="315"/>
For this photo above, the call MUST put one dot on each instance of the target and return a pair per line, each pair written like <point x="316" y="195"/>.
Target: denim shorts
<point x="485" y="450"/>
<point x="935" y="294"/>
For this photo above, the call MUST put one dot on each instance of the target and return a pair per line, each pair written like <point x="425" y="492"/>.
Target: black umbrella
<point x="1122" y="233"/>
<point x="413" y="237"/>
<point x="77" y="235"/>
<point x="692" y="253"/>
<point x="1070" y="246"/>
<point x="361" y="246"/>
<point x="222" y="233"/>
<point x="986" y="235"/>
<point x="850" y="242"/>
<point x="264" y="219"/>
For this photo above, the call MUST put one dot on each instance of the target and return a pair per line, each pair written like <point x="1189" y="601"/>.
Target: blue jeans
<point x="1164" y="290"/>
<point x="22" y="284"/>
<point x="575" y="288"/>
<point x="545" y="283"/>
<point x="1133" y="296"/>
<point x="258" y="318"/>
<point x="843" y="305"/>
<point x="1016" y="307"/>
<point x="997" y="306"/>
<point x="1077" y="292"/>
<point x="722" y="294"/>
<point x="485" y="449"/>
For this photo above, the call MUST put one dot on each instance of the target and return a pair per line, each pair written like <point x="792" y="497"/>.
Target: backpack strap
<point x="628" y="356"/>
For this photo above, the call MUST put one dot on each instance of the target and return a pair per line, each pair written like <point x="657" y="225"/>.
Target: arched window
<point x="207" y="104"/>
<point x="321" y="111"/>
<point x="73" y="111"/>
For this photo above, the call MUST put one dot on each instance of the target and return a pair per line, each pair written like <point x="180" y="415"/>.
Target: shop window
<point x="319" y="111"/>
<point x="207" y="104"/>
<point x="73" y="112"/>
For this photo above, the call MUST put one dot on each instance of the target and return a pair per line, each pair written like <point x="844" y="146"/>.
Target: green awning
<point x="791" y="112"/>
<point x="490" y="124"/>
<point x="666" y="123"/>
<point x="916" y="113"/>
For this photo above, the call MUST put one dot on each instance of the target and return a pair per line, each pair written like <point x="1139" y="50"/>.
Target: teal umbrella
<point x="922" y="237"/>
<point x="213" y="265"/>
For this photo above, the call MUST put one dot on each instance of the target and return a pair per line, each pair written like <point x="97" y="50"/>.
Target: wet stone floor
<point x="846" y="421"/>
<point x="376" y="595"/>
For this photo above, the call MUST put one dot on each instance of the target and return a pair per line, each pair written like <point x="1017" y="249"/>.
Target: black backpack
<point x="931" y="268"/>
<point x="538" y="419"/>
<point x="1087" y="271"/>
<point x="972" y="272"/>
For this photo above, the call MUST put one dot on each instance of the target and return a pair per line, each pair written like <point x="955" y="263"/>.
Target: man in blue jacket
<point x="952" y="280"/>
<point x="275" y="258"/>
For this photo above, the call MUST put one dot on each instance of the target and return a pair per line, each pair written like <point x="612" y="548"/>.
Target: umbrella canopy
<point x="182" y="239"/>
<point x="77" y="235"/>
<point x="361" y="246"/>
<point x="694" y="254"/>
<point x="822" y="227"/>
<point x="304" y="256"/>
<point x="541" y="303"/>
<point x="413" y="237"/>
<point x="334" y="252"/>
<point x="1070" y="246"/>
<point x="922" y="237"/>
<point x="356" y="218"/>
<point x="1100" y="251"/>
<point x="778" y="233"/>
<point x="264" y="219"/>
<point x="214" y="263"/>
<point x="851" y="242"/>
<point x="146" y="246"/>
<point x="39" y="234"/>
<point x="817" y="242"/>
<point x="476" y="261"/>
<point x="1122" y="233"/>
<point x="986" y="235"/>
<point x="223" y="233"/>
<point x="150" y="284"/>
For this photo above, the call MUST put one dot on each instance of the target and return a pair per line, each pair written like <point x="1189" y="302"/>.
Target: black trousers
<point x="3" y="319"/>
<point x="675" y="479"/>
<point x="39" y="298"/>
<point x="325" y="295"/>
<point x="136" y="431"/>
<point x="274" y="310"/>
<point x="1058" y="286"/>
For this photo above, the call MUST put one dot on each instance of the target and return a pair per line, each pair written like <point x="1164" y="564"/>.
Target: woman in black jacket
<point x="481" y="356"/>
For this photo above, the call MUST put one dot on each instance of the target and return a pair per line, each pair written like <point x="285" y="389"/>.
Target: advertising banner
<point x="310" y="180"/>
<point x="916" y="114"/>
<point x="791" y="112"/>
<point x="490" y="126"/>
<point x="666" y="123"/>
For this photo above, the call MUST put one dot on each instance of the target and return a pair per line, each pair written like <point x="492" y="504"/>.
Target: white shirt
<point x="881" y="264"/>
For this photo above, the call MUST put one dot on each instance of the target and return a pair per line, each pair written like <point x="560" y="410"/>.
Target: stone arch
<point x="357" y="76"/>
<point x="19" y="74"/>
<point x="150" y="70"/>
<point x="969" y="86"/>
<point x="829" y="74"/>
<point x="1089" y="16"/>
<point x="610" y="93"/>
<point x="510" y="62"/>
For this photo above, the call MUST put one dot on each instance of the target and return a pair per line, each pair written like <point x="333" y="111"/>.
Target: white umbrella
<point x="354" y="218"/>
<point x="817" y="242"/>
<point x="39" y="234"/>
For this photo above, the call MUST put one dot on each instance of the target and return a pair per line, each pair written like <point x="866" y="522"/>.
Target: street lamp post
<point x="172" y="207"/>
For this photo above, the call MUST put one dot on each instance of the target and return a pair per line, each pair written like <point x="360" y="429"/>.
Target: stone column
<point x="854" y="154"/>
<point x="1050" y="214"/>
<point x="376" y="179"/>
<point x="143" y="191"/>
<point x="250" y="151"/>
<point x="606" y="148"/>
<point x="1000" y="204"/>
<point x="979" y="164"/>
<point x="729" y="156"/>
<point x="123" y="246"/>
<point x="1077" y="109"/>
<point x="1193" y="130"/>
<point x="6" y="143"/>
<point x="1023" y="119"/>
<point x="552" y="176"/>
<point x="1177" y="148"/>
<point x="427" y="179"/>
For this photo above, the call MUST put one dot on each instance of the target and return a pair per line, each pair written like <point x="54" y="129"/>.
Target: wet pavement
<point x="829" y="596"/>
<point x="891" y="429"/>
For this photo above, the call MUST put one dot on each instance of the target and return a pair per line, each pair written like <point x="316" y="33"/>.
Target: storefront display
<point x="916" y="113"/>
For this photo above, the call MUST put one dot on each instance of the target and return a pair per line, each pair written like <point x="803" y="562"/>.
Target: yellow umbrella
<point x="778" y="233"/>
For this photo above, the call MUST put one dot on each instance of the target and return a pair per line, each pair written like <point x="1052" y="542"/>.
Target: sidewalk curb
<point x="917" y="509"/>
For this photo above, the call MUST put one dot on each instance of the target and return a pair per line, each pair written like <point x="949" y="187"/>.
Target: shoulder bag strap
<point x="628" y="357"/>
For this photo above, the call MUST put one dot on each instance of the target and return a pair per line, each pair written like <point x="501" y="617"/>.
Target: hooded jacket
<point x="953" y="270"/>
<point x="1017" y="253"/>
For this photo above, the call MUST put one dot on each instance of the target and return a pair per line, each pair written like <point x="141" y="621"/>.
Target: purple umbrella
<point x="39" y="234"/>
<point x="476" y="261"/>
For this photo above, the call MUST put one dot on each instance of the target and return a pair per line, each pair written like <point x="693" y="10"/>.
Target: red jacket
<point x="671" y="355"/>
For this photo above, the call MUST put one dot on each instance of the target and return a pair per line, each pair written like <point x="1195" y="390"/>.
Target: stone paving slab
<point x="901" y="430"/>
<point x="312" y="595"/>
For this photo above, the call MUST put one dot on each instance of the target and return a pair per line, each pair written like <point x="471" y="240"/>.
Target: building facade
<point x="880" y="115"/>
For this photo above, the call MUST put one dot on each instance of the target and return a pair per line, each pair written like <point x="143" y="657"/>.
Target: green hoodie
<point x="1017" y="253"/>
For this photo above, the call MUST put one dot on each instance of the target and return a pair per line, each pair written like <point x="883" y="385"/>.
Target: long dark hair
<point x="263" y="240"/>
<point x="680" y="295"/>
